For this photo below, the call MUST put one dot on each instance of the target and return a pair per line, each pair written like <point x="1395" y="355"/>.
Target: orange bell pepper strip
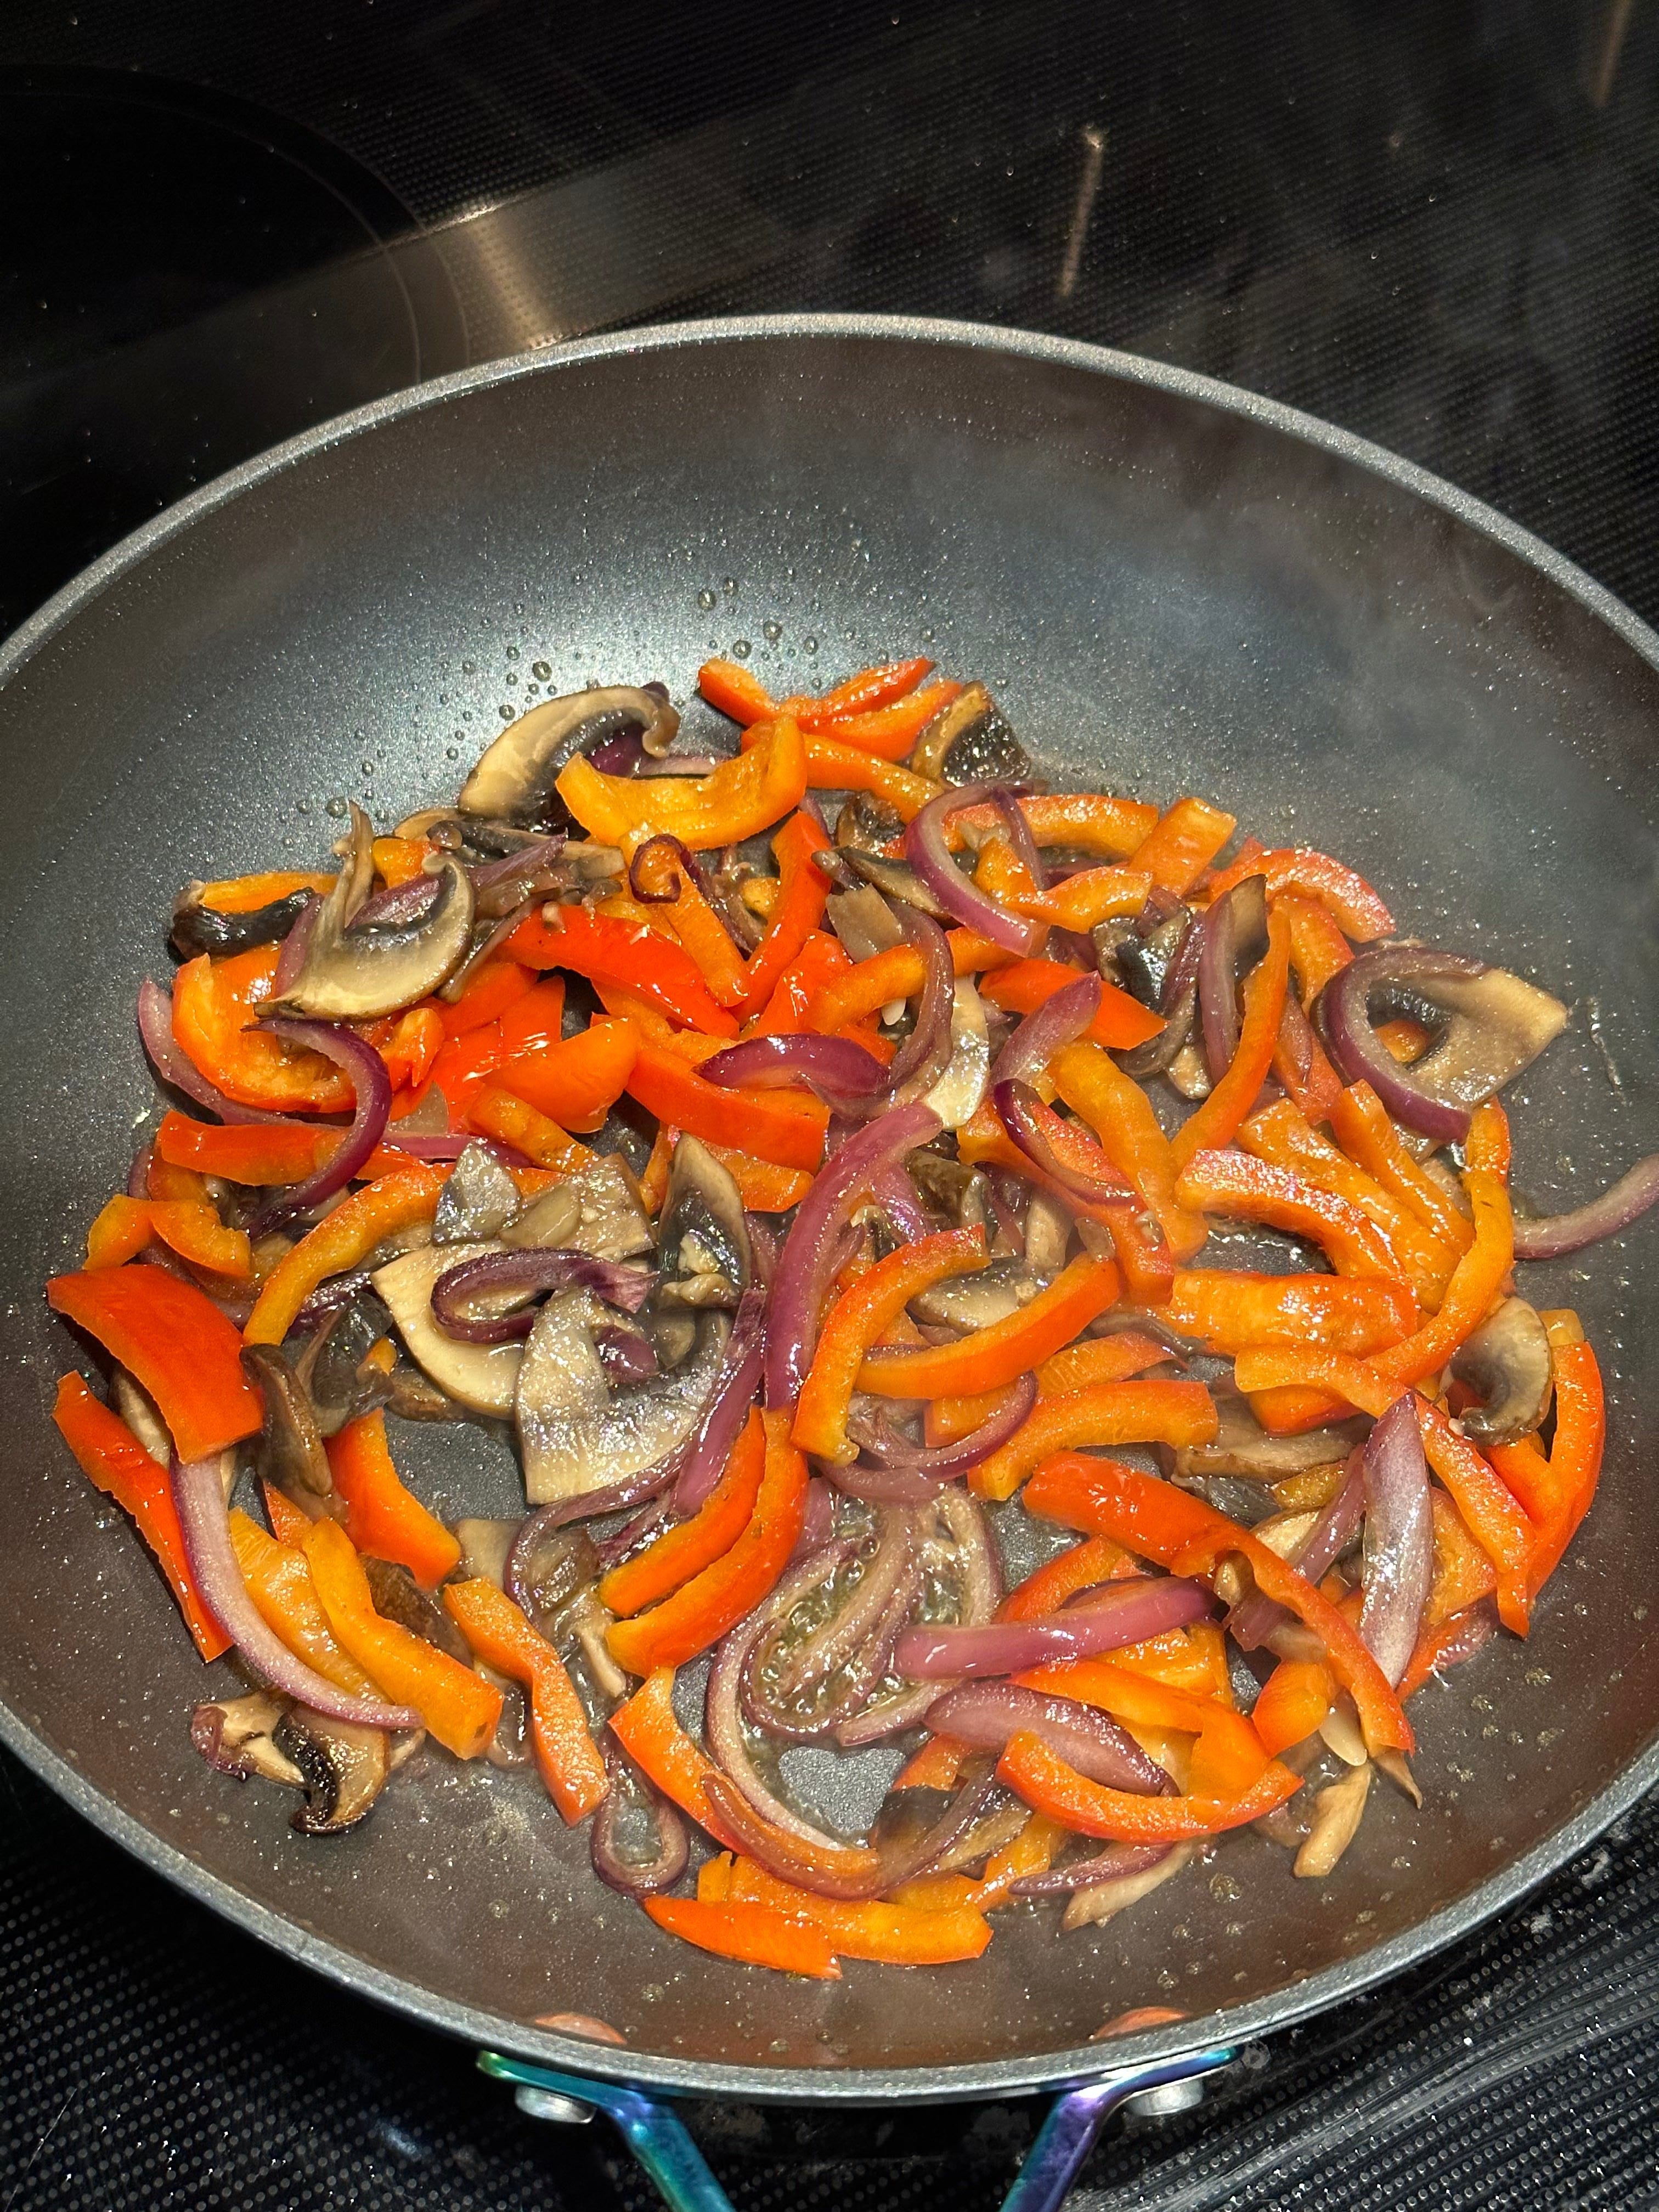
<point x="608" y="950"/>
<point x="458" y="1707"/>
<point x="878" y="686"/>
<point x="895" y="1935"/>
<point x="821" y="960"/>
<point x="649" y="1732"/>
<point x="733" y="689"/>
<point x="122" y="1228"/>
<point x="1176" y="1413"/>
<point x="490" y="991"/>
<point x="566" y="1756"/>
<point x="1121" y="1115"/>
<point x="1216" y="1121"/>
<point x="1463" y="1575"/>
<point x="1362" y="1126"/>
<point x="988" y="1357"/>
<point x="1477" y="1279"/>
<point x="738" y="800"/>
<point x="1159" y="1521"/>
<point x="1023" y="985"/>
<point x="1244" y="1189"/>
<point x="1081" y="1566"/>
<point x="771" y="1124"/>
<point x="1226" y="1761"/>
<point x="1556" y="1492"/>
<point x="341" y="1240"/>
<point x="1231" y="1311"/>
<point x="1184" y="843"/>
<point x="833" y="766"/>
<point x="764" y="1187"/>
<point x="1318" y="948"/>
<point x="413" y="1042"/>
<point x="1303" y="873"/>
<point x="400" y="860"/>
<point x="279" y="1582"/>
<point x="247" y="893"/>
<point x="577" y="1080"/>
<point x="164" y="1180"/>
<point x="898" y="973"/>
<point x="934" y="1766"/>
<point x="1280" y="1135"/>
<point x="859" y="1320"/>
<point x="178" y="1344"/>
<point x="1093" y="821"/>
<point x="754" y="1935"/>
<point x="1101" y="1359"/>
<point x="944" y="1420"/>
<point x="495" y="1111"/>
<point x="1092" y="896"/>
<point x="690" y="1546"/>
<point x="382" y="1517"/>
<point x="701" y="1610"/>
<point x="888" y="731"/>
<point x="190" y="1227"/>
<point x="1045" y="1781"/>
<point x="460" y="1068"/>
<point x="215" y="1005"/>
<point x="1295" y="1701"/>
<point x="803" y="889"/>
<point x="113" y="1461"/>
<point x="289" y="1522"/>
<point x="536" y="1017"/>
<point x="692" y="921"/>
<point x="1489" y="1509"/>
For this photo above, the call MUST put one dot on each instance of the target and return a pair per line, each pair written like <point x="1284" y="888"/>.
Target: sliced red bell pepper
<point x="1302" y="1065"/>
<point x="289" y="1522"/>
<point x="701" y="1610"/>
<point x="1092" y="821"/>
<point x="763" y="1185"/>
<point x="490" y="990"/>
<point x="738" y="800"/>
<point x="178" y="1344"/>
<point x="577" y="1080"/>
<point x="1477" y="1281"/>
<point x="1244" y="1189"/>
<point x="1318" y="948"/>
<point x="1310" y="875"/>
<point x="895" y="1935"/>
<point x="566" y="1756"/>
<point x="859" y="1320"/>
<point x="1143" y="1253"/>
<point x="803" y="888"/>
<point x="889" y="731"/>
<point x="254" y="1152"/>
<point x="771" y="1124"/>
<point x="823" y="960"/>
<point x="1361" y="1125"/>
<point x="215" y="1003"/>
<point x="1184" y="843"/>
<point x="1463" y="1575"/>
<point x="1180" y="1414"/>
<point x="1092" y="896"/>
<point x="690" y="1546"/>
<point x="1295" y="1699"/>
<point x="1046" y="1782"/>
<point x="190" y="1227"/>
<point x="898" y="973"/>
<point x="383" y="1518"/>
<point x="1230" y="1310"/>
<point x="113" y="1461"/>
<point x="1556" y="1492"/>
<point x="1216" y="1121"/>
<point x="1023" y="985"/>
<point x="1079" y="1567"/>
<point x="1159" y="1521"/>
<point x="535" y="1018"/>
<point x="871" y="687"/>
<point x="732" y="689"/>
<point x="649" y="1732"/>
<point x="1121" y="1115"/>
<point x="608" y="950"/>
<point x="342" y="1239"/>
<point x="987" y="1357"/>
<point x="754" y="1935"/>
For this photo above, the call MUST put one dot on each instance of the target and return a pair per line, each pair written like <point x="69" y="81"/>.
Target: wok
<point x="1172" y="586"/>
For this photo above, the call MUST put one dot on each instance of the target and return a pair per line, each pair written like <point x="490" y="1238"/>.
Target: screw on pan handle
<point x="1076" y="2117"/>
<point x="652" y="2130"/>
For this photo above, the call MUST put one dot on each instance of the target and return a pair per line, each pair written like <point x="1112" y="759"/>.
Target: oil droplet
<point x="741" y="647"/>
<point x="728" y="585"/>
<point x="505" y="710"/>
<point x="541" y="669"/>
<point x="927" y="635"/>
<point x="336" y="807"/>
<point x="469" y="668"/>
<point x="772" y="632"/>
<point x="513" y="653"/>
<point x="706" y="601"/>
<point x="809" y="645"/>
<point x="367" y="767"/>
<point x="452" y="752"/>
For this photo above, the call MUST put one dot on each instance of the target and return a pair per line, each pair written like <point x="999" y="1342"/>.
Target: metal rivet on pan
<point x="1164" y="2102"/>
<point x="549" y="2104"/>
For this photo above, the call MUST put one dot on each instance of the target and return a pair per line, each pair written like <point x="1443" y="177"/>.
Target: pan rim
<point x="917" y="2084"/>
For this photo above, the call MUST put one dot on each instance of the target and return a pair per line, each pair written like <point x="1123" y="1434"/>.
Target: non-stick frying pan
<point x="1172" y="586"/>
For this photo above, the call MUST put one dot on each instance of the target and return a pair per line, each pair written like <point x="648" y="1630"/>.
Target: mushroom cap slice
<point x="960" y="1091"/>
<point x="289" y="1450"/>
<point x="343" y="1765"/>
<point x="482" y="1377"/>
<point x="1506" y="1362"/>
<point x="704" y="1249"/>
<point x="514" y="778"/>
<point x="350" y="975"/>
<point x="575" y="1433"/>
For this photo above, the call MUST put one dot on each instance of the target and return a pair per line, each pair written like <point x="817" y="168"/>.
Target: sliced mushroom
<point x="672" y="1334"/>
<point x="1092" y="1908"/>
<point x="416" y="1397"/>
<point x="1506" y="1363"/>
<point x="335" y="1371"/>
<point x="397" y="1596"/>
<point x="960" y="1091"/>
<point x="552" y="1219"/>
<point x="704" y="1251"/>
<point x="1242" y="1446"/>
<point x="613" y="1224"/>
<point x="868" y="823"/>
<point x="511" y="1745"/>
<point x="343" y="1766"/>
<point x="477" y="1201"/>
<point x="484" y="1547"/>
<point x="355" y="975"/>
<point x="969" y="1302"/>
<point x="894" y="880"/>
<point x="574" y="1435"/>
<point x="197" y="928"/>
<point x="863" y="922"/>
<point x="553" y="1566"/>
<point x="236" y="1736"/>
<point x="1048" y="1234"/>
<point x="962" y="1194"/>
<point x="289" y="1450"/>
<point x="137" y="1409"/>
<point x="970" y="741"/>
<point x="513" y="781"/>
<point x="482" y="1377"/>
<point x="1336" y="1816"/>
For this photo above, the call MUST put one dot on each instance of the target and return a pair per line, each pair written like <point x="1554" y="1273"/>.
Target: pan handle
<point x="652" y="2130"/>
<point x="1077" y="2116"/>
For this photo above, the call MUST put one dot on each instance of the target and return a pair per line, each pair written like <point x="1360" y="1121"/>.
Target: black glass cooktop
<point x="1437" y="223"/>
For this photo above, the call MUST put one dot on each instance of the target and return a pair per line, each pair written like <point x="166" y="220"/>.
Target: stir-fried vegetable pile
<point x="821" y="1220"/>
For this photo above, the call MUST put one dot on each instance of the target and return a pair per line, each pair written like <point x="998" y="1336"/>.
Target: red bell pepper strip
<point x="1463" y="1575"/>
<point x="823" y="960"/>
<point x="113" y="1461"/>
<point x="382" y="1517"/>
<point x="289" y="1522"/>
<point x="730" y="688"/>
<point x="889" y="731"/>
<point x="1310" y="875"/>
<point x="1183" y="844"/>
<point x="1295" y="1699"/>
<point x="753" y="1934"/>
<point x="1094" y="895"/>
<point x="1318" y="948"/>
<point x="1302" y="1065"/>
<point x="1226" y="1761"/>
<point x="1112" y="1358"/>
<point x="1557" y="1491"/>
<point x="1231" y="1311"/>
<point x="1216" y="1121"/>
<point x="859" y="1320"/>
<point x="803" y="888"/>
<point x="1362" y="1126"/>
<point x="1243" y="1188"/>
<point x="987" y="1358"/>
<point x="1489" y="1509"/>
<point x="1121" y="1115"/>
<point x="1180" y="1414"/>
<point x="341" y="1240"/>
<point x="896" y="1934"/>
<point x="764" y="1187"/>
<point x="1159" y="1521"/>
<point x="176" y="1342"/>
<point x="608" y="950"/>
<point x="1023" y="985"/>
<point x="648" y="1731"/>
<point x="566" y="1755"/>
<point x="738" y="800"/>
<point x="898" y="973"/>
<point x="1047" y="1783"/>
<point x="191" y="1227"/>
<point x="215" y="1003"/>
<point x="701" y="1610"/>
<point x="255" y="1152"/>
<point x="1093" y="821"/>
<point x="1096" y="1559"/>
<point x="576" y="1081"/>
<point x="863" y="693"/>
<point x="535" y="1019"/>
<point x="690" y="1546"/>
<point x="1477" y="1281"/>
<point x="458" y="1706"/>
<point x="490" y="991"/>
<point x="770" y="1123"/>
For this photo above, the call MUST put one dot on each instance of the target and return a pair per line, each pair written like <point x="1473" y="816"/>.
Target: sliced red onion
<point x="795" y="1860"/>
<point x="198" y="1494"/>
<point x="841" y="1072"/>
<point x="655" y="1516"/>
<point x="1114" y="1863"/>
<point x="586" y="1505"/>
<point x="818" y="1523"/>
<point x="1020" y="1110"/>
<point x="1360" y="1054"/>
<point x="625" y="1355"/>
<point x="986" y="1714"/>
<point x="1059" y="1021"/>
<point x="623" y="754"/>
<point x="1552" y="1236"/>
<point x="1019" y="835"/>
<point x="895" y="1193"/>
<point x="1126" y="1612"/>
<point x="979" y="1591"/>
<point x="840" y="1638"/>
<point x="681" y="764"/>
<point x="701" y="1460"/>
<point x="174" y="1066"/>
<point x="138" y="1173"/>
<point x="524" y="1273"/>
<point x="1257" y="1620"/>
<point x="397" y="903"/>
<point x="372" y="1085"/>
<point x="763" y="1247"/>
<point x="910" y="1473"/>
<point x="1399" y="1538"/>
<point x="921" y="1058"/>
<point x="514" y="869"/>
<point x="295" y="946"/>
<point x="426" y="1145"/>
<point x="1181" y="974"/>
<point x="803" y="1265"/>
<point x="636" y="1877"/>
<point x="694" y="868"/>
<point x="328" y="1297"/>
<point x="1476" y="1626"/>
<point x="1221" y="942"/>
<point x="929" y="853"/>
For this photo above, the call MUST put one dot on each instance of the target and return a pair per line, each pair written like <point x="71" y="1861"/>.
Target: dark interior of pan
<point x="1171" y="588"/>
